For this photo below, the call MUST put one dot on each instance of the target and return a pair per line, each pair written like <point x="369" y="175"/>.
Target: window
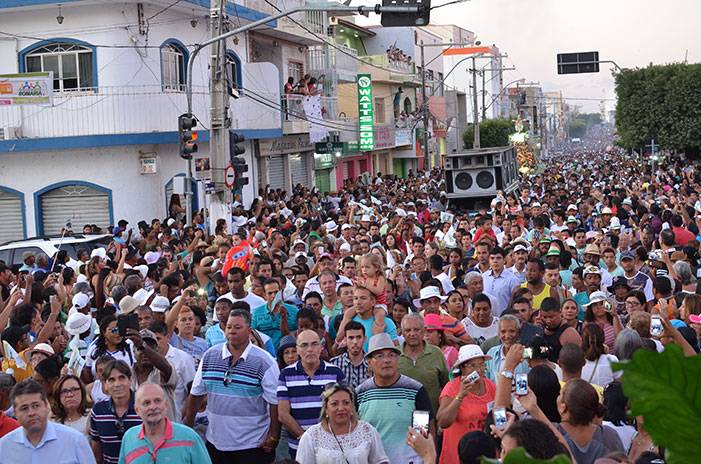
<point x="379" y="110"/>
<point x="295" y="70"/>
<point x="233" y="64"/>
<point x="72" y="65"/>
<point x="173" y="60"/>
<point x="439" y="85"/>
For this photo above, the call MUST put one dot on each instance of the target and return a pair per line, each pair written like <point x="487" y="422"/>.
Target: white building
<point x="119" y="77"/>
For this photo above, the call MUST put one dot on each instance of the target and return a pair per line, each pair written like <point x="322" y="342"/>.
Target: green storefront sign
<point x="365" y="121"/>
<point x="344" y="148"/>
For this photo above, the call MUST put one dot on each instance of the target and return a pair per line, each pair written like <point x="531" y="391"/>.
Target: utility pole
<point x="484" y="94"/>
<point x="475" y="112"/>
<point x="424" y="111"/>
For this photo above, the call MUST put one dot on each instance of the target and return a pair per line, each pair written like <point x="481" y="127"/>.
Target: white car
<point x="11" y="252"/>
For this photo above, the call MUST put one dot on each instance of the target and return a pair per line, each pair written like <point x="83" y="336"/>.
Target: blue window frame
<point x="73" y="62"/>
<point x="233" y="63"/>
<point x="174" y="57"/>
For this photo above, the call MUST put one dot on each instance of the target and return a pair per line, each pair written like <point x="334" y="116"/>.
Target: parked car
<point x="11" y="252"/>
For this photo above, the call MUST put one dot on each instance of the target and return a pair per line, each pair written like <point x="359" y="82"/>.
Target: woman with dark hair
<point x="579" y="407"/>
<point x="455" y="305"/>
<point x="175" y="210"/>
<point x="600" y="311"/>
<point x="546" y="386"/>
<point x="455" y="269"/>
<point x="616" y="415"/>
<point x="47" y="373"/>
<point x="539" y="441"/>
<point x="71" y="404"/>
<point x="597" y="369"/>
<point x="108" y="342"/>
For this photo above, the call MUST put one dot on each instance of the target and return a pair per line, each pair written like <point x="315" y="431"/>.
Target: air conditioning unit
<point x="10" y="132"/>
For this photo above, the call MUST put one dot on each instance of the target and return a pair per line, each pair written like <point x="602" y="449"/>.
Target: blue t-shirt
<point x="268" y="323"/>
<point x="390" y="328"/>
<point x="195" y="348"/>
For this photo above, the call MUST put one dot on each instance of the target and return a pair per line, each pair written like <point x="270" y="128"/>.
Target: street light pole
<point x="424" y="111"/>
<point x="475" y="112"/>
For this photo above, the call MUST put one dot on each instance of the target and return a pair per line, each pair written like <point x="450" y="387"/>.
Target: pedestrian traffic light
<point x="187" y="137"/>
<point x="238" y="162"/>
<point x="420" y="18"/>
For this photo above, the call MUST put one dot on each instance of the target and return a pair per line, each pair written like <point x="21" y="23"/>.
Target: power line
<point x="163" y="10"/>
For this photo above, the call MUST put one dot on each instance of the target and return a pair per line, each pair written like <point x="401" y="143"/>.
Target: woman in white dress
<point x="597" y="369"/>
<point x="340" y="437"/>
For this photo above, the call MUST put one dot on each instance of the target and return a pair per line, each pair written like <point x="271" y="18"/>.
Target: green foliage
<point x="493" y="133"/>
<point x="578" y="128"/>
<point x="665" y="388"/>
<point x="661" y="103"/>
<point x="519" y="456"/>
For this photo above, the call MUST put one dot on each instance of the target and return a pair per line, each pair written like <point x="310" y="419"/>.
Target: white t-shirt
<point x="126" y="356"/>
<point x="252" y="299"/>
<point x="600" y="373"/>
<point x="185" y="370"/>
<point x="480" y="334"/>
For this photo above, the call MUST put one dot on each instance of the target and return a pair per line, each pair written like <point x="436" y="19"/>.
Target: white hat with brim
<point x="379" y="342"/>
<point x="596" y="297"/>
<point x="42" y="348"/>
<point x="429" y="292"/>
<point x="78" y="323"/>
<point x="468" y="353"/>
<point x="160" y="304"/>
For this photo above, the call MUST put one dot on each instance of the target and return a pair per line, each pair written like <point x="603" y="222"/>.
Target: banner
<point x="26" y="89"/>
<point x="312" y="109"/>
<point x="365" y="121"/>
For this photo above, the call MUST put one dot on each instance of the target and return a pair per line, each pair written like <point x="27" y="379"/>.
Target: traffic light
<point x="238" y="162"/>
<point x="421" y="18"/>
<point x="187" y="136"/>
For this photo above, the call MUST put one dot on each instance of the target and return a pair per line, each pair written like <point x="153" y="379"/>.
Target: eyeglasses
<point x="70" y="391"/>
<point x="114" y="330"/>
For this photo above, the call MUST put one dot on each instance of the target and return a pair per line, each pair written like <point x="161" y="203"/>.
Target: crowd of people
<point x="378" y="324"/>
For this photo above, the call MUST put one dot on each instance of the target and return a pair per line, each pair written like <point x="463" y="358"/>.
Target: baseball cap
<point x="591" y="270"/>
<point x="42" y="348"/>
<point x="80" y="300"/>
<point x="146" y="334"/>
<point x="160" y="304"/>
<point x="152" y="257"/>
<point x="520" y="247"/>
<point x="628" y="254"/>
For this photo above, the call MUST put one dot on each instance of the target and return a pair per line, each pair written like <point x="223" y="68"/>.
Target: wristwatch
<point x="507" y="374"/>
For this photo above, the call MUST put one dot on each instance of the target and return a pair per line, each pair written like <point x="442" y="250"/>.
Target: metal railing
<point x="384" y="61"/>
<point x="326" y="59"/>
<point x="293" y="109"/>
<point x="110" y="110"/>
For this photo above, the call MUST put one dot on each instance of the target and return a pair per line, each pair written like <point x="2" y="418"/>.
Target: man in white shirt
<point x="236" y="279"/>
<point x="436" y="265"/>
<point x="181" y="362"/>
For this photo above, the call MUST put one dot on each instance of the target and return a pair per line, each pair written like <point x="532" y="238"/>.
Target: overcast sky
<point x="630" y="32"/>
<point x="633" y="33"/>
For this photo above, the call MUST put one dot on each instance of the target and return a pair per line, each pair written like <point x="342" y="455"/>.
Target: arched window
<point x="72" y="62"/>
<point x="173" y="65"/>
<point x="233" y="64"/>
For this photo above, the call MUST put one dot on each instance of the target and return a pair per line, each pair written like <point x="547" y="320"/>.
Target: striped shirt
<point x="304" y="392"/>
<point x="354" y="375"/>
<point x="108" y="429"/>
<point x="389" y="410"/>
<point x="238" y="395"/>
<point x="179" y="445"/>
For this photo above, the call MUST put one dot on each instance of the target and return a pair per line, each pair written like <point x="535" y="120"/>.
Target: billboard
<point x="26" y="88"/>
<point x="366" y="128"/>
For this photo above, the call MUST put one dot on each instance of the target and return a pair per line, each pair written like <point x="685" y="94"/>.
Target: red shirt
<point x="682" y="236"/>
<point x="7" y="424"/>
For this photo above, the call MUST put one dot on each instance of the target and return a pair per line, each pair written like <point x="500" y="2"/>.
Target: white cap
<point x="615" y="223"/>
<point x="160" y="304"/>
<point x="143" y="270"/>
<point x="345" y="247"/>
<point x="330" y="225"/>
<point x="346" y="226"/>
<point x="520" y="247"/>
<point x="142" y="295"/>
<point x="42" y="348"/>
<point x="571" y="206"/>
<point x="152" y="257"/>
<point x="80" y="300"/>
<point x="365" y="218"/>
<point x="99" y="251"/>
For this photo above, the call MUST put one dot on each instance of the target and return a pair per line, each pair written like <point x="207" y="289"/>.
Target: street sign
<point x="577" y="63"/>
<point x="229" y="176"/>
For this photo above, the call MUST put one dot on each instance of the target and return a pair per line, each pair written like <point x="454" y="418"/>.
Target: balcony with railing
<point x="298" y="113"/>
<point x="308" y="27"/>
<point x="385" y="68"/>
<point x="126" y="110"/>
<point x="328" y="59"/>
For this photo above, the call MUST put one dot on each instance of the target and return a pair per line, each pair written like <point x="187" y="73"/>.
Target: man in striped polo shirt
<point x="300" y="387"/>
<point x="158" y="439"/>
<point x="388" y="400"/>
<point x="240" y="382"/>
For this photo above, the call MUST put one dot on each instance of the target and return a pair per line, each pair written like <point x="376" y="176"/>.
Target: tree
<point x="578" y="128"/>
<point x="661" y="103"/>
<point x="493" y="133"/>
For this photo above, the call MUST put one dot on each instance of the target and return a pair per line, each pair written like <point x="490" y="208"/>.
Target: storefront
<point x="404" y="158"/>
<point x="384" y="142"/>
<point x="286" y="161"/>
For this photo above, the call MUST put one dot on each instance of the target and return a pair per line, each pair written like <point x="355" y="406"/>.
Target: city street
<point x="269" y="231"/>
